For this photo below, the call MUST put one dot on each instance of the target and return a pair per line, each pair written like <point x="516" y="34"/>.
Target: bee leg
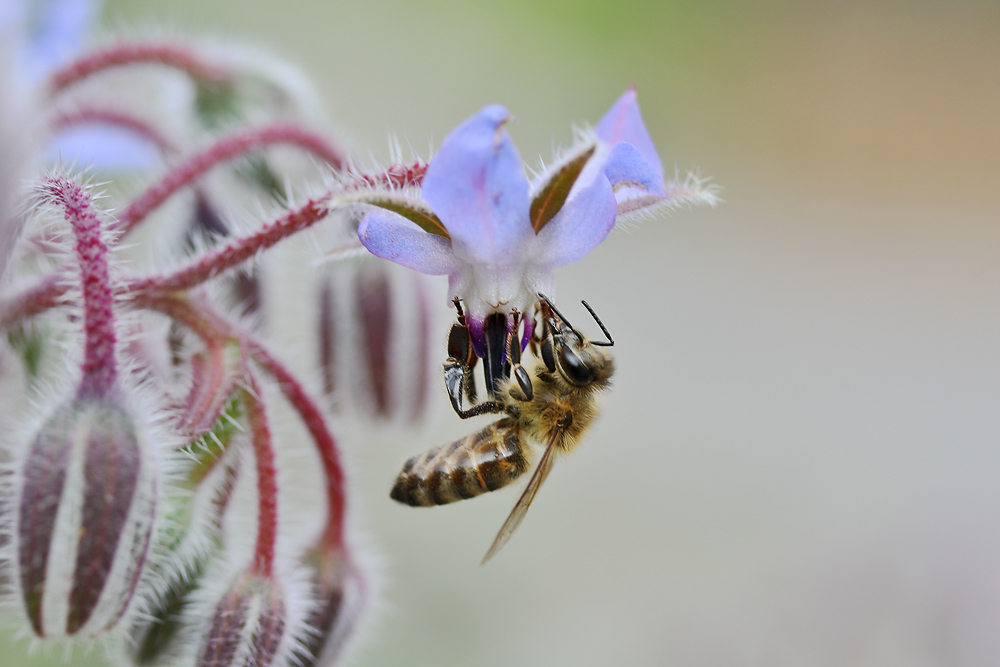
<point x="541" y="342"/>
<point x="523" y="391"/>
<point x="460" y="349"/>
<point x="458" y="377"/>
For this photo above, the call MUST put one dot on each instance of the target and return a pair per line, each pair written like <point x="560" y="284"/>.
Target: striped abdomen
<point x="483" y="461"/>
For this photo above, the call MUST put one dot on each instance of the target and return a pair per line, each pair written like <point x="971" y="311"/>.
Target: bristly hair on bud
<point x="99" y="370"/>
<point x="342" y="590"/>
<point x="257" y="621"/>
<point x="84" y="504"/>
<point x="84" y="491"/>
<point x="247" y="626"/>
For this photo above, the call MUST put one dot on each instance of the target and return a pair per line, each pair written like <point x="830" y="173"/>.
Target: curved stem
<point x="84" y="115"/>
<point x="34" y="300"/>
<point x="227" y="148"/>
<point x="207" y="324"/>
<point x="99" y="364"/>
<point x="169" y="55"/>
<point x="236" y="251"/>
<point x="267" y="480"/>
<point x="213" y="382"/>
<point x="47" y="293"/>
<point x="314" y="421"/>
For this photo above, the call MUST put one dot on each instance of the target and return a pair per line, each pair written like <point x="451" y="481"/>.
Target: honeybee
<point x="552" y="404"/>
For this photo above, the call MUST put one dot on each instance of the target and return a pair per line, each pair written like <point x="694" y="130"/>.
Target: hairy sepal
<point x="415" y="211"/>
<point x="86" y="498"/>
<point x="551" y="195"/>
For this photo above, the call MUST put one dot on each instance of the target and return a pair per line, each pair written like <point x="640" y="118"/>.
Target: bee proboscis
<point x="552" y="404"/>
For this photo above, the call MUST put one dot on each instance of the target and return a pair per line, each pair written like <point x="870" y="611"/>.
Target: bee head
<point x="579" y="361"/>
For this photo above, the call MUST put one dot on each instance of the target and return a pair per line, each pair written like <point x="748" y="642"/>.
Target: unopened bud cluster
<point x="141" y="441"/>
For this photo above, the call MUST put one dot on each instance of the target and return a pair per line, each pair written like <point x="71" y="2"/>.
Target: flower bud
<point x="373" y="300"/>
<point x="375" y="344"/>
<point x="328" y="621"/>
<point x="86" y="502"/>
<point x="190" y="539"/>
<point x="247" y="627"/>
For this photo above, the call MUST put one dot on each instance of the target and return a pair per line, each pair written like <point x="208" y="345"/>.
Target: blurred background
<point x="798" y="463"/>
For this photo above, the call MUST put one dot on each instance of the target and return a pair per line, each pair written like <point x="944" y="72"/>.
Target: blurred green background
<point x="798" y="464"/>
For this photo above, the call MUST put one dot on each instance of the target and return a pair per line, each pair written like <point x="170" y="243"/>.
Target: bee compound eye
<point x="573" y="367"/>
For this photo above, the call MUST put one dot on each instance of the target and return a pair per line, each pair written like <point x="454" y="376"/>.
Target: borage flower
<point x="499" y="237"/>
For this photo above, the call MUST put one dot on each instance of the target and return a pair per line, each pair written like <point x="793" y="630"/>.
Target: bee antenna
<point x="610" y="341"/>
<point x="556" y="311"/>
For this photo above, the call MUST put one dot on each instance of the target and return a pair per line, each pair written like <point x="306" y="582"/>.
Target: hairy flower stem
<point x="36" y="299"/>
<point x="99" y="366"/>
<point x="312" y="417"/>
<point x="125" y="121"/>
<point x="397" y="176"/>
<point x="267" y="481"/>
<point x="213" y="382"/>
<point x="50" y="290"/>
<point x="227" y="148"/>
<point x="236" y="251"/>
<point x="168" y="55"/>
<point x="208" y="325"/>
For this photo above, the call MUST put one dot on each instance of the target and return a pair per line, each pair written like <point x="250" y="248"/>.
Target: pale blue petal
<point x="105" y="148"/>
<point x="583" y="222"/>
<point x="626" y="165"/>
<point x="623" y="122"/>
<point x="11" y="16"/>
<point x="477" y="186"/>
<point x="393" y="237"/>
<point x="56" y="31"/>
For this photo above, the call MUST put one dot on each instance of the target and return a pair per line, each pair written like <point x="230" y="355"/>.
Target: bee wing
<point x="524" y="502"/>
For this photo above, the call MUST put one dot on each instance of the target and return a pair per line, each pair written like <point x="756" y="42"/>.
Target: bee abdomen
<point x="480" y="462"/>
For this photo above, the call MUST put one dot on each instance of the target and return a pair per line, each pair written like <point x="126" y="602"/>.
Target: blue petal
<point x="626" y="165"/>
<point x="56" y="31"/>
<point x="477" y="186"/>
<point x="107" y="149"/>
<point x="623" y="122"/>
<point x="393" y="237"/>
<point x="583" y="222"/>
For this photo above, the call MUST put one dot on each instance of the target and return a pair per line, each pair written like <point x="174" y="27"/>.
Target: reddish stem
<point x="202" y="368"/>
<point x="314" y="421"/>
<point x="99" y="366"/>
<point x="236" y="251"/>
<point x="267" y="481"/>
<point x="36" y="299"/>
<point x="227" y="148"/>
<point x="85" y="115"/>
<point x="396" y="176"/>
<point x="169" y="55"/>
<point x="207" y="324"/>
<point x="211" y="387"/>
<point x="47" y="293"/>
